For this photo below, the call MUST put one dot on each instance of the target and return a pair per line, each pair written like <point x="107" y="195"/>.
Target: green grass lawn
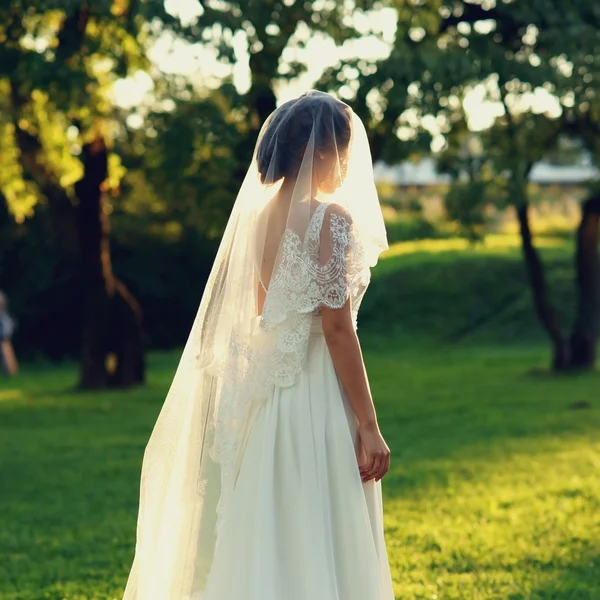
<point x="494" y="489"/>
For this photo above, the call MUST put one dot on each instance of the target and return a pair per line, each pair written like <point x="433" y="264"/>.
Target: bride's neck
<point x="286" y="191"/>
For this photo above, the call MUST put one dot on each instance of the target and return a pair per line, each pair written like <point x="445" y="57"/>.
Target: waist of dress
<point x="316" y="326"/>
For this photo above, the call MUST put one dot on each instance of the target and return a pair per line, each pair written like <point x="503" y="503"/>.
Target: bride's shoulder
<point x="337" y="225"/>
<point x="335" y="212"/>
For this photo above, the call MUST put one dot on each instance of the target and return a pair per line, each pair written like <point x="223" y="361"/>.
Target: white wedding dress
<point x="250" y="486"/>
<point x="300" y="524"/>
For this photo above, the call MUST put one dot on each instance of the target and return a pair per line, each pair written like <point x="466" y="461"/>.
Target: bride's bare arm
<point x="346" y="354"/>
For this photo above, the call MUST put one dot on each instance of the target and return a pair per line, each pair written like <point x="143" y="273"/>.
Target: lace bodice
<point x="323" y="269"/>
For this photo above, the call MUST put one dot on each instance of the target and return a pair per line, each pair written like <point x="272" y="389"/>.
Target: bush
<point x="408" y="227"/>
<point x="166" y="274"/>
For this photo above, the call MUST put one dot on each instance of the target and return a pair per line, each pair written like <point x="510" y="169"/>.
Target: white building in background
<point x="425" y="174"/>
<point x="544" y="173"/>
<point x="411" y="174"/>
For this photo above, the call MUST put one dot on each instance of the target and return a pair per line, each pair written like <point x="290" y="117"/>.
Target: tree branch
<point x="72" y="32"/>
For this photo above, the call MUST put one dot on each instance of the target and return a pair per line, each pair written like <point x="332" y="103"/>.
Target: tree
<point x="512" y="51"/>
<point x="271" y="28"/>
<point x="69" y="152"/>
<point x="58" y="61"/>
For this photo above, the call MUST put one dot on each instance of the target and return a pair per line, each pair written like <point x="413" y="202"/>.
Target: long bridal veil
<point x="304" y="232"/>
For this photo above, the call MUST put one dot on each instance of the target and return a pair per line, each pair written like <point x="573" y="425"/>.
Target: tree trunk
<point x="587" y="264"/>
<point x="112" y="348"/>
<point x="5" y="230"/>
<point x="261" y="99"/>
<point x="539" y="288"/>
<point x="260" y="102"/>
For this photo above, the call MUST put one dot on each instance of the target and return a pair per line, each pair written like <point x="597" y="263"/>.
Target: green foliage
<point x="163" y="262"/>
<point x="271" y="26"/>
<point x="476" y="186"/>
<point x="466" y="204"/>
<point x="514" y="54"/>
<point x="412" y="226"/>
<point x="492" y="492"/>
<point x="190" y="168"/>
<point x="276" y="31"/>
<point x="21" y="195"/>
<point x="58" y="62"/>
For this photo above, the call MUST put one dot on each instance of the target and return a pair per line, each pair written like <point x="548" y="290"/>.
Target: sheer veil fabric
<point x="304" y="232"/>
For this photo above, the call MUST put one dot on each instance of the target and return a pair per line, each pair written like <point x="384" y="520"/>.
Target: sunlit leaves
<point x="116" y="172"/>
<point x="59" y="154"/>
<point x="62" y="58"/>
<point x="21" y="194"/>
<point x="532" y="59"/>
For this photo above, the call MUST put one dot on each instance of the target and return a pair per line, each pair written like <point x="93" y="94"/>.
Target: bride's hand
<point x="374" y="457"/>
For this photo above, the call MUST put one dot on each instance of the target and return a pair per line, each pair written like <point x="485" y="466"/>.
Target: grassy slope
<point x="493" y="491"/>
<point x="445" y="290"/>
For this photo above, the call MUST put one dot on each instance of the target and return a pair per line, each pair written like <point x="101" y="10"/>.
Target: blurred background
<point x="126" y="129"/>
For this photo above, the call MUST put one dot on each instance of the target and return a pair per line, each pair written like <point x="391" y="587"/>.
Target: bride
<point x="261" y="480"/>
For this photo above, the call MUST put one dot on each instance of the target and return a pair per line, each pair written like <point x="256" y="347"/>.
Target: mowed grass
<point x="493" y="492"/>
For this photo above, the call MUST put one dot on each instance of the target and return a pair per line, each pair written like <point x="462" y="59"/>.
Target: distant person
<point x="262" y="478"/>
<point x="8" y="360"/>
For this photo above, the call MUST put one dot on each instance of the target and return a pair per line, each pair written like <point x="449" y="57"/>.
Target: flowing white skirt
<point x="300" y="524"/>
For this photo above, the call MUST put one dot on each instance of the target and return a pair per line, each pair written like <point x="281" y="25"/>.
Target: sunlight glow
<point x="187" y="11"/>
<point x="494" y="243"/>
<point x="10" y="395"/>
<point x="133" y="90"/>
<point x="199" y="64"/>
